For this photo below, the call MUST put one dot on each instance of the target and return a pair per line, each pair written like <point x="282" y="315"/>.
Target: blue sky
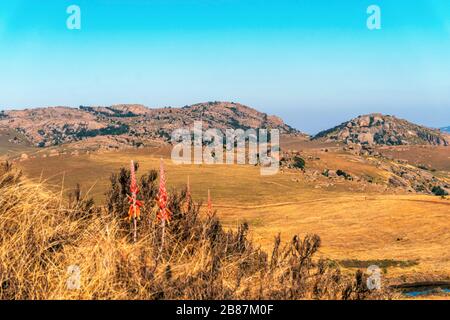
<point x="313" y="62"/>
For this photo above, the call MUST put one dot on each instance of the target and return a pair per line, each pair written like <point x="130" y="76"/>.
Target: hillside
<point x="378" y="129"/>
<point x="134" y="125"/>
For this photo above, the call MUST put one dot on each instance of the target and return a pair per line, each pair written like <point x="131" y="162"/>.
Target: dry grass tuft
<point x="41" y="236"/>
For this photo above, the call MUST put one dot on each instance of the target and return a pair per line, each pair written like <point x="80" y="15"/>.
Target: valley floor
<point x="407" y="235"/>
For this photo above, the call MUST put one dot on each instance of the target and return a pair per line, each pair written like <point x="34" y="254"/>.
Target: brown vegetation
<point x="41" y="235"/>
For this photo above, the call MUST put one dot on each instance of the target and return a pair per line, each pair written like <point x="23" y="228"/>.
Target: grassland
<point x="10" y="149"/>
<point x="355" y="222"/>
<point x="56" y="249"/>
<point x="437" y="158"/>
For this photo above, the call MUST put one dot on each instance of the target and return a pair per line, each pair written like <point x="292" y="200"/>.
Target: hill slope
<point x="378" y="129"/>
<point x="130" y="124"/>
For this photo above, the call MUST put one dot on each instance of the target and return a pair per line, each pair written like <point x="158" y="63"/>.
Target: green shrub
<point x="344" y="174"/>
<point x="438" y="191"/>
<point x="299" y="162"/>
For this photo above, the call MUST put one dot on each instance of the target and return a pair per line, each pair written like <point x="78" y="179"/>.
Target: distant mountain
<point x="378" y="129"/>
<point x="133" y="124"/>
<point x="446" y="129"/>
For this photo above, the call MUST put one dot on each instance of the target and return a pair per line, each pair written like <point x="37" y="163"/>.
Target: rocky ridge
<point x="378" y="129"/>
<point x="136" y="124"/>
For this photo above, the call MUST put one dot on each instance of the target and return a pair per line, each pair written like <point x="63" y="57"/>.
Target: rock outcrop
<point x="135" y="124"/>
<point x="378" y="129"/>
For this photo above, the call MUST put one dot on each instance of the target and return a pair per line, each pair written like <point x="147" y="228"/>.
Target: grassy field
<point x="398" y="228"/>
<point x="436" y="158"/>
<point x="363" y="224"/>
<point x="10" y="149"/>
<point x="54" y="249"/>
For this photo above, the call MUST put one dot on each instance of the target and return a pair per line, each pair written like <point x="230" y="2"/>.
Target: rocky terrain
<point x="136" y="125"/>
<point x="378" y="129"/>
<point x="393" y="174"/>
<point x="74" y="131"/>
<point x="132" y="125"/>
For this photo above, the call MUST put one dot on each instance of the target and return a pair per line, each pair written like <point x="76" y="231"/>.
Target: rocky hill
<point x="378" y="129"/>
<point x="134" y="124"/>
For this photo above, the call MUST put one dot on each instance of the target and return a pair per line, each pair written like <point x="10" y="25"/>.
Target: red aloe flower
<point x="133" y="186"/>
<point x="164" y="213"/>
<point x="135" y="205"/>
<point x="135" y="209"/>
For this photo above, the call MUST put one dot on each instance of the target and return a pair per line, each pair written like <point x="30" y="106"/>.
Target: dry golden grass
<point x="93" y="172"/>
<point x="41" y="235"/>
<point x="9" y="149"/>
<point x="401" y="228"/>
<point x="437" y="158"/>
<point x="367" y="223"/>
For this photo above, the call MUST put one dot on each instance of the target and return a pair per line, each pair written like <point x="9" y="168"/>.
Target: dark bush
<point x="299" y="163"/>
<point x="438" y="191"/>
<point x="344" y="174"/>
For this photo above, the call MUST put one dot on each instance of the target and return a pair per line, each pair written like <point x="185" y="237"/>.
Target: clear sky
<point x="313" y="62"/>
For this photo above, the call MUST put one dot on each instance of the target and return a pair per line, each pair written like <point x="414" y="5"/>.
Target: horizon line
<point x="217" y="101"/>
